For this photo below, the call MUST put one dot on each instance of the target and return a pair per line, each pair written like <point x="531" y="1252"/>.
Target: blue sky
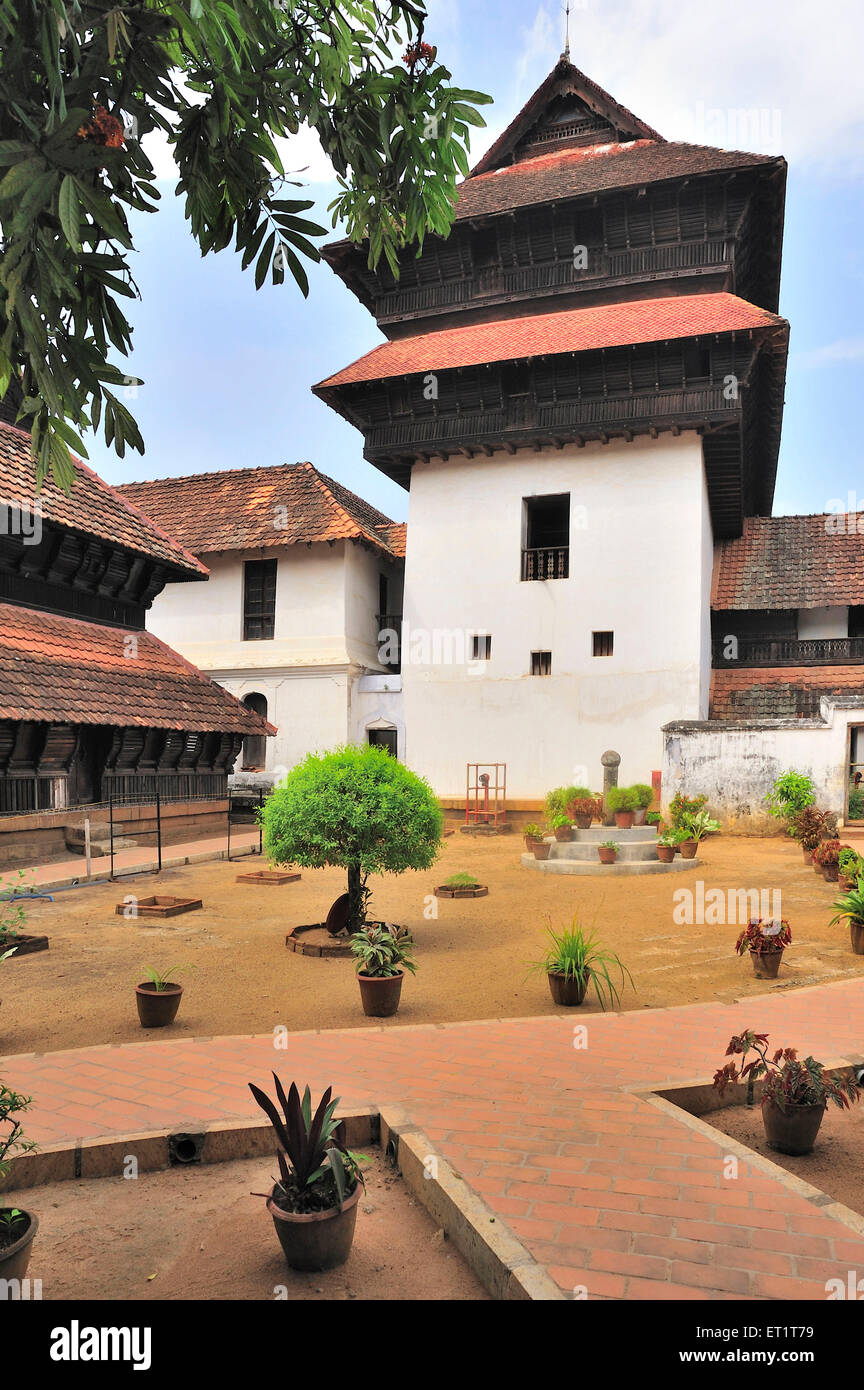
<point x="228" y="371"/>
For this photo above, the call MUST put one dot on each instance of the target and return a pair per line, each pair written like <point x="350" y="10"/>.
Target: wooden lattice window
<point x="259" y="600"/>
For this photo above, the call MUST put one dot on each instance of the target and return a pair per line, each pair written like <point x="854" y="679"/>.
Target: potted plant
<point x="158" y="998"/>
<point x="794" y="1094"/>
<point x="541" y="848"/>
<point x="851" y="910"/>
<point x="681" y="806"/>
<point x="533" y="835"/>
<point x="562" y="828"/>
<point x="17" y="1228"/>
<point x="667" y="847"/>
<point x="766" y="942"/>
<point x="383" y="954"/>
<point x="314" y="1202"/>
<point x="358" y="809"/>
<point x="653" y="818"/>
<point x="643" y="796"/>
<point x="808" y="827"/>
<point x="573" y="961"/>
<point x="621" y="801"/>
<point x="608" y="851"/>
<point x="695" y="826"/>
<point x="851" y="868"/>
<point x="582" y="811"/>
<point x="827" y="858"/>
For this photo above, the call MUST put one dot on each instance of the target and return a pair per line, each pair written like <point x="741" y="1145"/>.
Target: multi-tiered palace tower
<point x="583" y="388"/>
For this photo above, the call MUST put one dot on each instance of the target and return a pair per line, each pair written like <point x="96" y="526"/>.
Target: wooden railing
<point x="787" y="651"/>
<point x="676" y="258"/>
<point x="547" y="563"/>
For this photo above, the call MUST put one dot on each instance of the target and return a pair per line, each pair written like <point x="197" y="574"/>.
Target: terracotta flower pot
<point x="856" y="931"/>
<point x="766" y="964"/>
<point x="607" y="856"/>
<point x="846" y="883"/>
<point x="624" y="820"/>
<point x="157" y="1007"/>
<point x="380" y="994"/>
<point x="792" y="1131"/>
<point x="566" y="989"/>
<point x="808" y="855"/>
<point x="531" y="841"/>
<point x="583" y="822"/>
<point x="542" y="850"/>
<point x="687" y="849"/>
<point x="817" y="867"/>
<point x="15" y="1258"/>
<point x="564" y="833"/>
<point x="639" y="816"/>
<point x="666" y="854"/>
<point x="319" y="1239"/>
<point x="830" y="873"/>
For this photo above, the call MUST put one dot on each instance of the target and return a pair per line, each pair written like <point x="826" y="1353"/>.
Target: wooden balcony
<point x="547" y="563"/>
<point x="609" y="267"/>
<point x="790" y="651"/>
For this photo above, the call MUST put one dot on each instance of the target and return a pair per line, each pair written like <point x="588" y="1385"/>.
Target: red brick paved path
<point x="605" y="1189"/>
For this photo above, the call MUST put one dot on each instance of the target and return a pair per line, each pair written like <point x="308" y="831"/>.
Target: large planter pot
<point x="380" y="994"/>
<point x="856" y="932"/>
<point x="793" y="1131"/>
<point x="607" y="856"/>
<point x="830" y="873"/>
<point x="766" y="964"/>
<point x="846" y="883"/>
<point x="531" y="842"/>
<point x="666" y="854"/>
<point x="624" y="820"/>
<point x="542" y="850"/>
<point x="157" y="1007"/>
<point x="15" y="1258"/>
<point x="564" y="833"/>
<point x="319" y="1240"/>
<point x="583" y="822"/>
<point x="639" y="816"/>
<point x="687" y="849"/>
<point x="567" y="990"/>
<point x="817" y="868"/>
<point x="808" y="855"/>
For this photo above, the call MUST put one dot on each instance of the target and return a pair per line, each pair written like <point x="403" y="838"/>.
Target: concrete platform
<point x="561" y="865"/>
<point x="637" y="853"/>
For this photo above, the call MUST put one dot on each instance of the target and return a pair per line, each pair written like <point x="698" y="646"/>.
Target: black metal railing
<point x="549" y="562"/>
<point x="787" y="651"/>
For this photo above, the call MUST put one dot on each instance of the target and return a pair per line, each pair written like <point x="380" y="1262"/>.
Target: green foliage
<point x="533" y="831"/>
<point x="697" y="825"/>
<point x="316" y="1170"/>
<point x="557" y="802"/>
<point x="622" y="799"/>
<point x="383" y="951"/>
<point x="791" y="793"/>
<point x="787" y="1081"/>
<point x="461" y="881"/>
<point x="611" y="844"/>
<point x="680" y="807"/>
<point x="223" y="83"/>
<point x="850" y="863"/>
<point x="357" y="809"/>
<point x="579" y="956"/>
<point x="644" y="795"/>
<point x="13" y="914"/>
<point x="653" y="818"/>
<point x="162" y="981"/>
<point x="559" y="822"/>
<point x="856" y="805"/>
<point x="12" y="1140"/>
<point x="850" y="906"/>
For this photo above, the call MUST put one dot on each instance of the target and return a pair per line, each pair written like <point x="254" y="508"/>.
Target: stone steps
<point x="630" y="850"/>
<point x="619" y="868"/>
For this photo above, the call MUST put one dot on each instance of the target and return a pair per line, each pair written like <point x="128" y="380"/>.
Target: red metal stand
<point x="486" y="794"/>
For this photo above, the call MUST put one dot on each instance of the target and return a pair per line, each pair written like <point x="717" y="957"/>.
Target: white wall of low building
<point x="640" y="563"/>
<point x="735" y="765"/>
<point x="377" y="703"/>
<point x="309" y="708"/>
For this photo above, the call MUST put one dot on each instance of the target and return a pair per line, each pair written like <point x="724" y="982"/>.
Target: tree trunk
<point x="357" y="895"/>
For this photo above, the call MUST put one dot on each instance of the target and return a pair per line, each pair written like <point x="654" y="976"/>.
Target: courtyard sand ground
<point x="472" y="958"/>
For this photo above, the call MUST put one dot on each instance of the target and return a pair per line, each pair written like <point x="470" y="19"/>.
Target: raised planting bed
<point x="159" y="907"/>
<point x="23" y="945"/>
<point x="477" y="890"/>
<point x="274" y="876"/>
<point x="317" y="940"/>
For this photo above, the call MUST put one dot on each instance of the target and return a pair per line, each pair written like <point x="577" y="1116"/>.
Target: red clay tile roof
<point x="574" y="173"/>
<point x="573" y="330"/>
<point x="248" y="508"/>
<point x="92" y="507"/>
<point x="780" y="692"/>
<point x="54" y="668"/>
<point x="791" y="562"/>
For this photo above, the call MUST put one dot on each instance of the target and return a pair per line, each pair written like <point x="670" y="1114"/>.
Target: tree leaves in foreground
<point x="82" y="84"/>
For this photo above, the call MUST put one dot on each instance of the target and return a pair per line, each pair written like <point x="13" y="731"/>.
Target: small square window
<point x="481" y="646"/>
<point x="603" y="643"/>
<point x="541" y="663"/>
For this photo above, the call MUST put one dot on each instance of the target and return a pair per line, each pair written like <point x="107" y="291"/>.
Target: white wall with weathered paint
<point x="640" y="564"/>
<point x="735" y="765"/>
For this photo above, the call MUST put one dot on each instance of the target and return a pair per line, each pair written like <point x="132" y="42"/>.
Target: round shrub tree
<point x="358" y="809"/>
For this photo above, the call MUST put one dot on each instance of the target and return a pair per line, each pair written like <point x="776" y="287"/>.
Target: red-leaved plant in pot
<point x="314" y="1202"/>
<point x="383" y="954"/>
<point x="582" y="811"/>
<point x="17" y="1228"/>
<point x="766" y="942"/>
<point x="827" y="857"/>
<point x="795" y="1094"/>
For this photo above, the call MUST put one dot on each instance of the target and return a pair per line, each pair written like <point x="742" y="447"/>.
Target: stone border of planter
<point x="161" y="905"/>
